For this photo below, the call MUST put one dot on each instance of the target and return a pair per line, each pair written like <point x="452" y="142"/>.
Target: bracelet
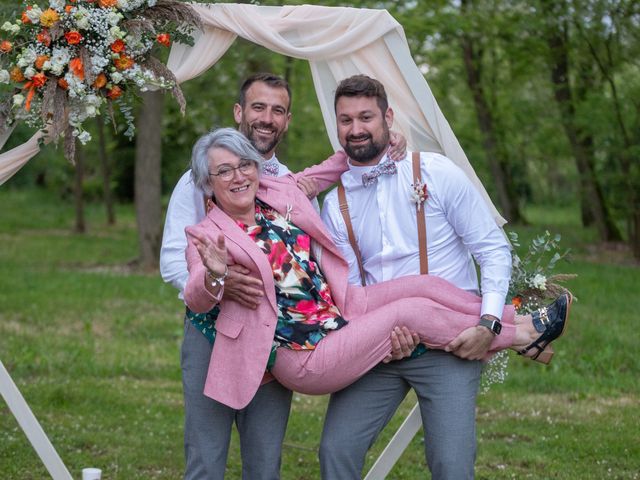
<point x="217" y="281"/>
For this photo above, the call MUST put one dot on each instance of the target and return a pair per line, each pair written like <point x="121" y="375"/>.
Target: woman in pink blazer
<point x="328" y="333"/>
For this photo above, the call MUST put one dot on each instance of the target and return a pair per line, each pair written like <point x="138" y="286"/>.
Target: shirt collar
<point x="356" y="171"/>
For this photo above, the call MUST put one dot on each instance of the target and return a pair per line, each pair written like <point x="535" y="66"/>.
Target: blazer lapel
<point x="239" y="237"/>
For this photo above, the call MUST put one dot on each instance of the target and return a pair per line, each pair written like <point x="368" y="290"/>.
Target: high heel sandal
<point x="554" y="317"/>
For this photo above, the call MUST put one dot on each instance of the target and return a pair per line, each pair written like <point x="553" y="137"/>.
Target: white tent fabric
<point x="337" y="42"/>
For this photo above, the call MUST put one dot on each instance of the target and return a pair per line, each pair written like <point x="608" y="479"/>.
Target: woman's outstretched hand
<point x="212" y="253"/>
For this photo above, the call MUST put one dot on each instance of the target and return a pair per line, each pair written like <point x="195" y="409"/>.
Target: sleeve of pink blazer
<point x="196" y="295"/>
<point x="326" y="173"/>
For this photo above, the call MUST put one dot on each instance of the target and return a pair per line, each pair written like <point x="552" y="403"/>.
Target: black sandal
<point x="554" y="318"/>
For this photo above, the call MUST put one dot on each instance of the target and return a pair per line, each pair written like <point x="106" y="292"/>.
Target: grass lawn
<point x="94" y="348"/>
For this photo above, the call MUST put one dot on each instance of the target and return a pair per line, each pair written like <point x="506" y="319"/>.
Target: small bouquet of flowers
<point x="66" y="60"/>
<point x="532" y="285"/>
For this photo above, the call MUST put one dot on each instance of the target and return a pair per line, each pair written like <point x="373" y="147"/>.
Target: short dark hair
<point x="362" y="86"/>
<point x="274" y="81"/>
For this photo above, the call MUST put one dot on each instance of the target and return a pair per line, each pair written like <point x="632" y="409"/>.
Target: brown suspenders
<point x="422" y="227"/>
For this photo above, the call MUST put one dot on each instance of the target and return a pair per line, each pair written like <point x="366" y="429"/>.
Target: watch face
<point x="497" y="327"/>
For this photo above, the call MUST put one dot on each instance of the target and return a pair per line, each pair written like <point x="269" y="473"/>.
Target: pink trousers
<point x="433" y="308"/>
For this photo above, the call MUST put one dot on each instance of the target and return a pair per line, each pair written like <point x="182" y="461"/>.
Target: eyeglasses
<point x="225" y="172"/>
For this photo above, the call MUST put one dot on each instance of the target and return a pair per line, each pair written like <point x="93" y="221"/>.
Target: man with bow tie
<point x="375" y="221"/>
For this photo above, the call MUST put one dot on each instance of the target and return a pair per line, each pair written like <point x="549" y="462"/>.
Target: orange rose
<point x="6" y="46"/>
<point x="16" y="75"/>
<point x="44" y="37"/>
<point x="164" y="39"/>
<point x="77" y="67"/>
<point x="38" y="80"/>
<point x="73" y="37"/>
<point x="63" y="84"/>
<point x="114" y="92"/>
<point x="107" y="3"/>
<point x="101" y="81"/>
<point x="118" y="46"/>
<point x="39" y="63"/>
<point x="25" y="19"/>
<point x="49" y="17"/>
<point x="516" y="302"/>
<point x="123" y="62"/>
<point x="68" y="9"/>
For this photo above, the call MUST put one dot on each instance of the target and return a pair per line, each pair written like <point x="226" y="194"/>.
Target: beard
<point x="261" y="145"/>
<point x="369" y="151"/>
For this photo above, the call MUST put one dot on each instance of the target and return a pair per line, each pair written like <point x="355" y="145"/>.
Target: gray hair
<point x="227" y="138"/>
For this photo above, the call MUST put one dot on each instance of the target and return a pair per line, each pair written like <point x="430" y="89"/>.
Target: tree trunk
<point x="80" y="225"/>
<point x="147" y="178"/>
<point x="106" y="172"/>
<point x="498" y="164"/>
<point x="591" y="191"/>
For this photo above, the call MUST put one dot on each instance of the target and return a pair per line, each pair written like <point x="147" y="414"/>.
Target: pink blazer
<point x="244" y="337"/>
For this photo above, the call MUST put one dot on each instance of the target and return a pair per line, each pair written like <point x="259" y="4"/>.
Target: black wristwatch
<point x="492" y="323"/>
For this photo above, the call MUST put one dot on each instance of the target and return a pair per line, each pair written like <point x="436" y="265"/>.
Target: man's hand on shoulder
<point x="472" y="343"/>
<point x="242" y="288"/>
<point x="397" y="146"/>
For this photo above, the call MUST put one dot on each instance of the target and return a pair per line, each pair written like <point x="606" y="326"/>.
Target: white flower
<point x="10" y="27"/>
<point x="98" y="63"/>
<point x="59" y="59"/>
<point x="84" y="137"/>
<point x="114" y="18"/>
<point x="47" y="65"/>
<point x="34" y="14"/>
<point x="539" y="282"/>
<point x="93" y="100"/>
<point x="152" y="3"/>
<point x="29" y="72"/>
<point x="116" y="77"/>
<point x="57" y="4"/>
<point x="83" y="23"/>
<point x="4" y="76"/>
<point x="27" y="57"/>
<point x="116" y="33"/>
<point x="18" y="99"/>
<point x="123" y="4"/>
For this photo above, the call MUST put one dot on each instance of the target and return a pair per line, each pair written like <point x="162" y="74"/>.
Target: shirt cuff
<point x="492" y="304"/>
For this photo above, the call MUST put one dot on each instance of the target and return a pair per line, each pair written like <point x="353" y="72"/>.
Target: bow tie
<point x="385" y="168"/>
<point x="270" y="168"/>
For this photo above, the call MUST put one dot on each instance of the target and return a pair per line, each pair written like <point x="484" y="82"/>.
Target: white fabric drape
<point x="337" y="42"/>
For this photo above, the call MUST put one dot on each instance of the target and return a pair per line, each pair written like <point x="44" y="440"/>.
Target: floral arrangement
<point x="66" y="61"/>
<point x="419" y="192"/>
<point x="532" y="285"/>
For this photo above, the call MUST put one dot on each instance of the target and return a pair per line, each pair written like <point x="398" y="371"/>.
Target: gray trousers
<point x="207" y="425"/>
<point x="446" y="387"/>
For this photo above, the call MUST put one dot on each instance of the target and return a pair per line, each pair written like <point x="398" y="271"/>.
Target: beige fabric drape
<point x="337" y="42"/>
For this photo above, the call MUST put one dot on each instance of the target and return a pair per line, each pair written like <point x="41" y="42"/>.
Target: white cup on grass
<point x="91" y="474"/>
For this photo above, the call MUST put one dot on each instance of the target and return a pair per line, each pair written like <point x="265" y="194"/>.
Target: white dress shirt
<point x="459" y="229"/>
<point x="186" y="207"/>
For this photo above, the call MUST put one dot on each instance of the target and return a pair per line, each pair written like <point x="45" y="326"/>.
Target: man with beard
<point x="382" y="201"/>
<point x="263" y="115"/>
